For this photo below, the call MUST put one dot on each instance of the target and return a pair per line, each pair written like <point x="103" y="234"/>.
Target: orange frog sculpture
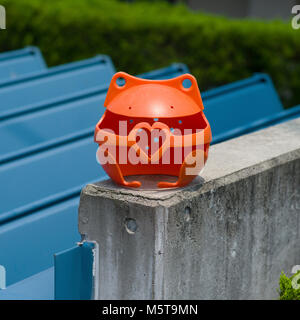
<point x="153" y="127"/>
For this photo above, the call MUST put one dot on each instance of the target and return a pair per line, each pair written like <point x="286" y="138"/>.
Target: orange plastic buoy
<point x="153" y="127"/>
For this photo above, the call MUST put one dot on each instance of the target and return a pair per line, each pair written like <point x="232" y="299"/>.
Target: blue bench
<point x="31" y="93"/>
<point x="47" y="219"/>
<point x="36" y="287"/>
<point x="27" y="244"/>
<point x="17" y="63"/>
<point x="173" y="71"/>
<point x="244" y="106"/>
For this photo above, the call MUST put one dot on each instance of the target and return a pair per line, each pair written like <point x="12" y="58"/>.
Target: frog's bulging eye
<point x="120" y="82"/>
<point x="187" y="84"/>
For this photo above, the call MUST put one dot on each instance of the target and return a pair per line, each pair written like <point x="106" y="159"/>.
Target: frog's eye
<point x="186" y="83"/>
<point x="120" y="82"/>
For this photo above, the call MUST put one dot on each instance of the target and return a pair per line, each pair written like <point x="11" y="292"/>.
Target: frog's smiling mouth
<point x="150" y="142"/>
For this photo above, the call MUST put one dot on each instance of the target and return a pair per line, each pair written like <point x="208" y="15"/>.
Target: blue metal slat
<point x="27" y="244"/>
<point x="52" y="125"/>
<point x="74" y="272"/>
<point x="31" y="182"/>
<point x="17" y="63"/>
<point x="40" y="286"/>
<point x="238" y="105"/>
<point x="279" y="117"/>
<point x="174" y="70"/>
<point x="70" y="279"/>
<point x="33" y="92"/>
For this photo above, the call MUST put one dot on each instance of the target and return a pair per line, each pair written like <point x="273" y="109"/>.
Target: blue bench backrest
<point x="27" y="244"/>
<point x="30" y="93"/>
<point x="173" y="71"/>
<point x="50" y="177"/>
<point x="233" y="108"/>
<point x="17" y="63"/>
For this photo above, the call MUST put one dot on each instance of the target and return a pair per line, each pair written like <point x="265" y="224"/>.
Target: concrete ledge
<point x="228" y="235"/>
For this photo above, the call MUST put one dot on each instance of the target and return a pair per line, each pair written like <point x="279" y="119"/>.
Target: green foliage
<point x="141" y="36"/>
<point x="287" y="292"/>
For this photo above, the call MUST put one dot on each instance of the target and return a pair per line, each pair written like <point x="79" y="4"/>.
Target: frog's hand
<point x="184" y="178"/>
<point x="113" y="170"/>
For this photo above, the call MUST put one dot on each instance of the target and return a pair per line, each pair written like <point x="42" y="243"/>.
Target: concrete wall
<point x="228" y="235"/>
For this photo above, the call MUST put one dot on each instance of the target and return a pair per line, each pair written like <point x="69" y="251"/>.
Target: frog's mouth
<point x="152" y="140"/>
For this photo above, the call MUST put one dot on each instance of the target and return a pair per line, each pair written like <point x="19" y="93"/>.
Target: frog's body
<point x="164" y="110"/>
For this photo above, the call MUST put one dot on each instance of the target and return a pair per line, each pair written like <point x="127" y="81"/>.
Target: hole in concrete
<point x="187" y="214"/>
<point x="130" y="226"/>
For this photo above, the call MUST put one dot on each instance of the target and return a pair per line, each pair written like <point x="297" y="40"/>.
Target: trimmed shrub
<point x="143" y="36"/>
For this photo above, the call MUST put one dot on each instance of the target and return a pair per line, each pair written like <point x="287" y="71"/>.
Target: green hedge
<point x="144" y="36"/>
<point x="287" y="292"/>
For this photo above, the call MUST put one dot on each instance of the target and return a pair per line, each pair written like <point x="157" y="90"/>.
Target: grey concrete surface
<point x="228" y="235"/>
